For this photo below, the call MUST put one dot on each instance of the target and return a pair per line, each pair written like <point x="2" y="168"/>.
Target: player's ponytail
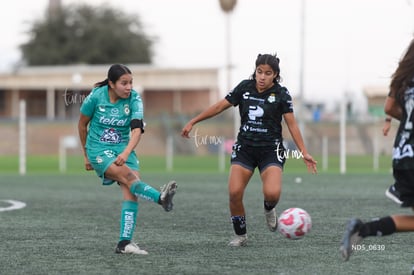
<point x="101" y="83"/>
<point x="114" y="73"/>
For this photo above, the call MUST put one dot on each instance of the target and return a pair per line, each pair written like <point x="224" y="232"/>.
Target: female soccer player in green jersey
<point x="263" y="103"/>
<point x="110" y="127"/>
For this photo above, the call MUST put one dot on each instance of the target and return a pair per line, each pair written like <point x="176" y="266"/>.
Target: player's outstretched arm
<point x="211" y="111"/>
<point x="297" y="138"/>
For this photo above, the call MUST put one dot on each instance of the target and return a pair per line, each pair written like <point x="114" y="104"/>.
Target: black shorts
<point x="404" y="184"/>
<point x="262" y="157"/>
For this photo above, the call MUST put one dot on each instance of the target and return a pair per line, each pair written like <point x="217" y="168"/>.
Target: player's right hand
<point x="185" y="132"/>
<point x="88" y="165"/>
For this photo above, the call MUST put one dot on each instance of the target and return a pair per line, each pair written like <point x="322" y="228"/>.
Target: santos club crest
<point x="271" y="98"/>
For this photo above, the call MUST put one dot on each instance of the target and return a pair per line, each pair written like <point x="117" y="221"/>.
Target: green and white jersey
<point x="260" y="113"/>
<point x="403" y="151"/>
<point x="110" y="122"/>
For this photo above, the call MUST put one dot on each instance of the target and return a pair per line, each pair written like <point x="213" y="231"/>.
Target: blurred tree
<point x="85" y="34"/>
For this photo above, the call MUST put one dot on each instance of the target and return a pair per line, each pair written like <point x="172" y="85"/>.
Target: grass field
<point x="185" y="164"/>
<point x="70" y="226"/>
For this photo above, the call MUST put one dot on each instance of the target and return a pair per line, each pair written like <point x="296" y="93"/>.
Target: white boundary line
<point x="14" y="205"/>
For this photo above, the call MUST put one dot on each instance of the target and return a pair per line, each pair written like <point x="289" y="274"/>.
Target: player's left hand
<point x="310" y="163"/>
<point x="120" y="160"/>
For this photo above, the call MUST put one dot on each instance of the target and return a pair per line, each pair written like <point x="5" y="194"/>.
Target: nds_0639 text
<point x="368" y="247"/>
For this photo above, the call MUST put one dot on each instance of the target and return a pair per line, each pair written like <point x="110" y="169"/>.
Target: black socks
<point x="269" y="205"/>
<point x="239" y="224"/>
<point x="380" y="227"/>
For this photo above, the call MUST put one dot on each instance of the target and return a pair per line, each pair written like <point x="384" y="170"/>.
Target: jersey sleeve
<point x="286" y="103"/>
<point x="89" y="104"/>
<point x="235" y="95"/>
<point x="137" y="107"/>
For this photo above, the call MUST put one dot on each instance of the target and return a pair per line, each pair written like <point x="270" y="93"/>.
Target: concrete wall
<point x="43" y="137"/>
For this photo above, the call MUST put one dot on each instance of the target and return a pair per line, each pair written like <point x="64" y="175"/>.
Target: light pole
<point x="227" y="6"/>
<point x="302" y="68"/>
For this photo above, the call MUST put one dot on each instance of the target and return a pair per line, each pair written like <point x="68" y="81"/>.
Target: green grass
<point x="70" y="226"/>
<point x="196" y="164"/>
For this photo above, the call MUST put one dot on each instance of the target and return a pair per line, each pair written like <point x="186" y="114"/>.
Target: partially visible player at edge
<point x="399" y="105"/>
<point x="114" y="113"/>
<point x="262" y="102"/>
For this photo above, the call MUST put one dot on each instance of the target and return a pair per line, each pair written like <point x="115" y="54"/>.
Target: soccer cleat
<point x="167" y="194"/>
<point x="393" y="194"/>
<point x="239" y="240"/>
<point x="129" y="248"/>
<point x="271" y="219"/>
<point x="351" y="238"/>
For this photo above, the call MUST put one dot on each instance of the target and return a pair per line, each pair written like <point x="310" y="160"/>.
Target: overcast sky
<point x="349" y="44"/>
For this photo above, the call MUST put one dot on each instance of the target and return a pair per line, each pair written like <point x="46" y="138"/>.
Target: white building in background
<point x="56" y="92"/>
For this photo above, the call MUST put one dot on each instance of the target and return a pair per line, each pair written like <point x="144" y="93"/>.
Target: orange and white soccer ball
<point x="294" y="223"/>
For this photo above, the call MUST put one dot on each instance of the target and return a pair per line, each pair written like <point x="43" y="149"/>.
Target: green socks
<point x="129" y="210"/>
<point x="129" y="214"/>
<point x="143" y="190"/>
